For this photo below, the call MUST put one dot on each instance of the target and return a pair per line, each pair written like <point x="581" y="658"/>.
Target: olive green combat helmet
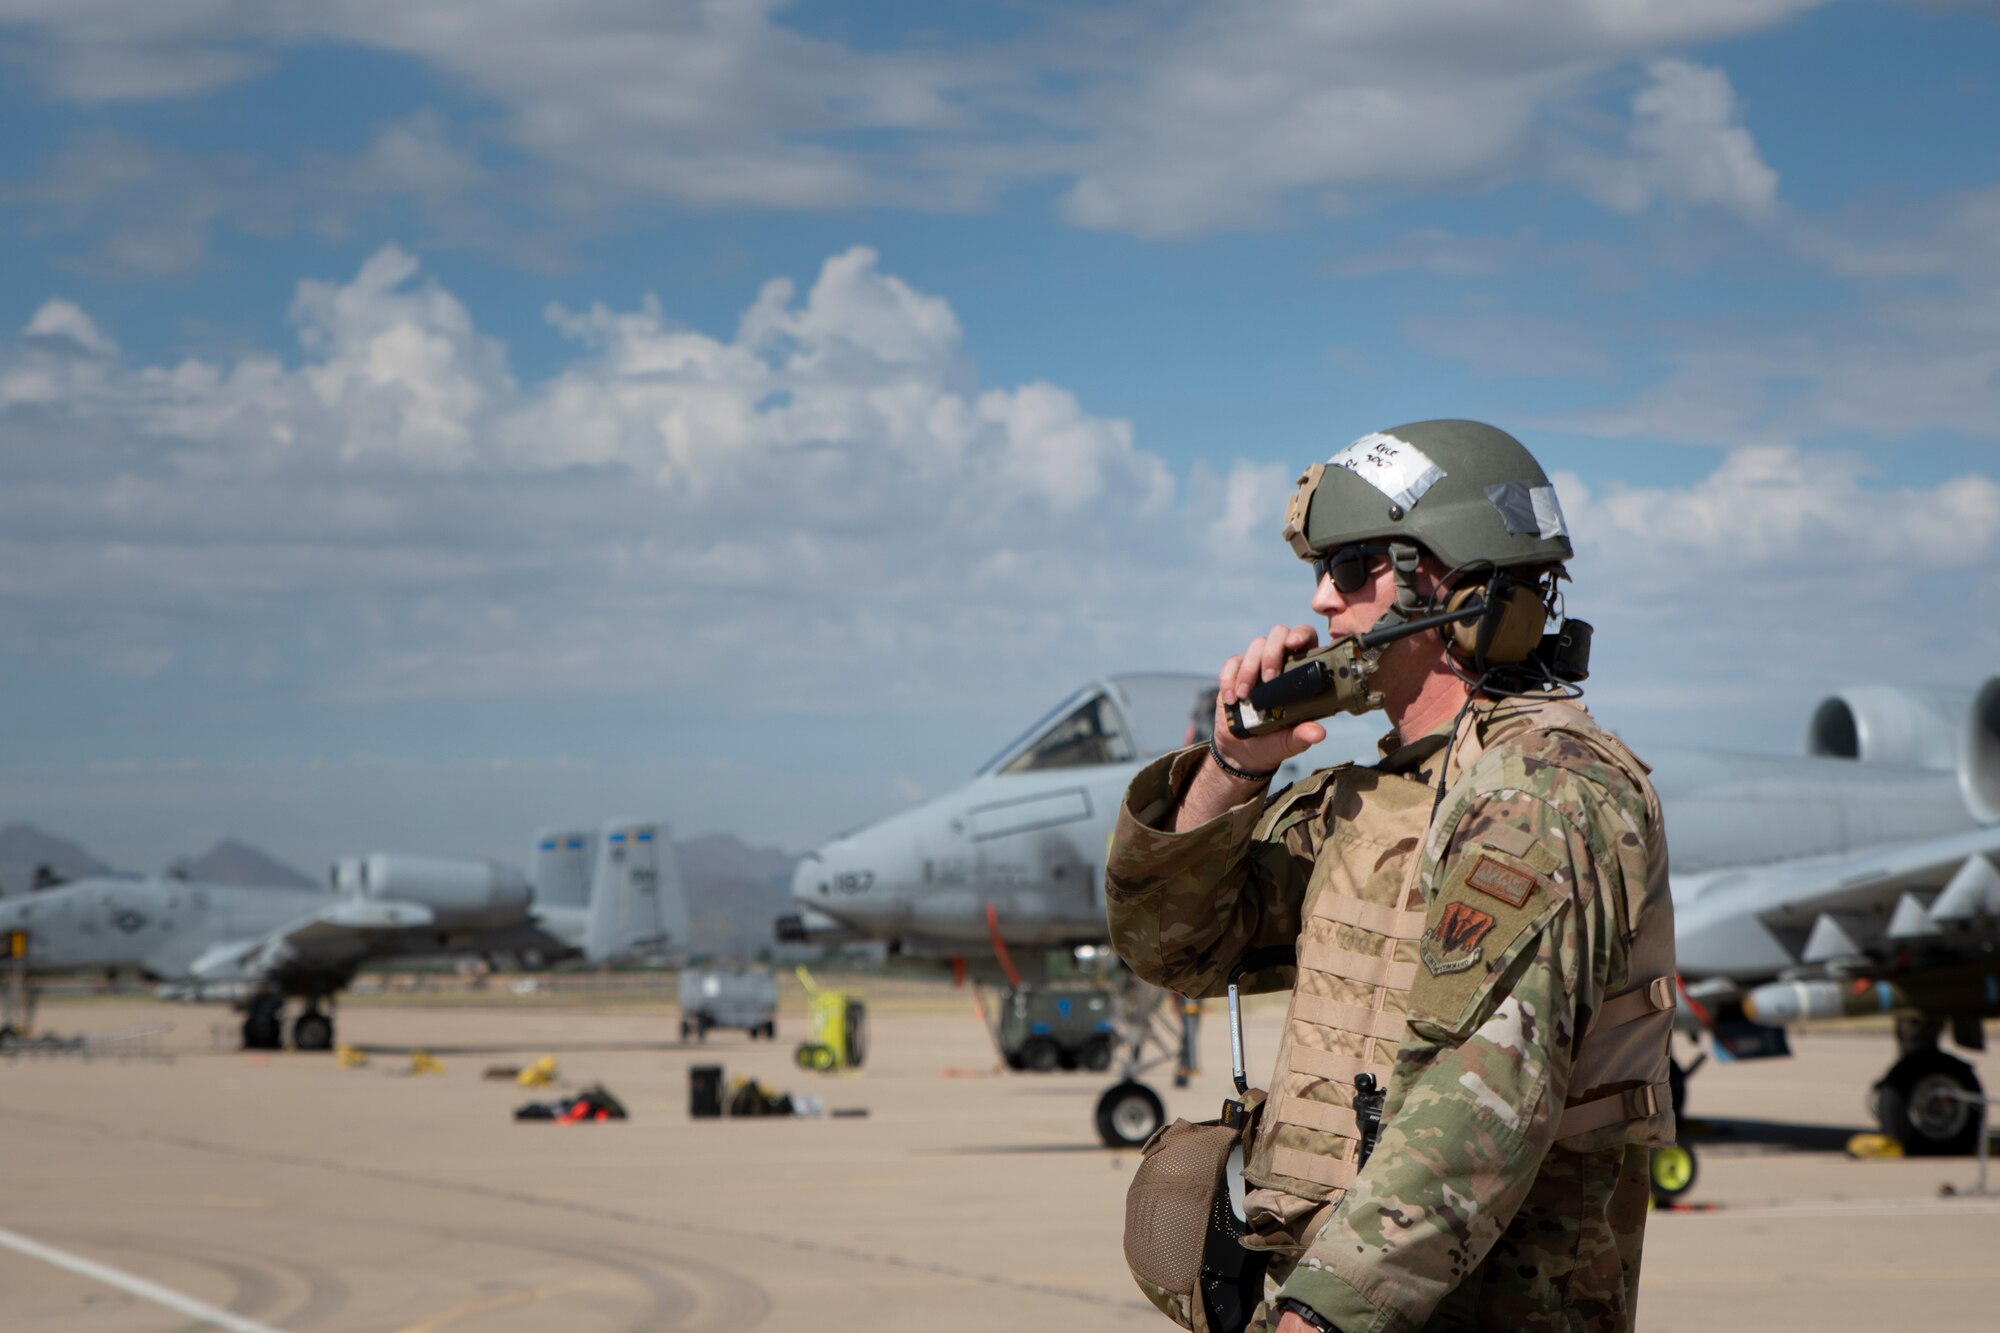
<point x="1468" y="493"/>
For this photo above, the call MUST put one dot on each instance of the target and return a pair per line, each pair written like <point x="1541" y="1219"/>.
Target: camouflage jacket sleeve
<point x="1183" y="907"/>
<point x="1521" y="945"/>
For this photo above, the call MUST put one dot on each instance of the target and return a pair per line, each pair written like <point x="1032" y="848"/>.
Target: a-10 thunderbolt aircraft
<point x="607" y="897"/>
<point x="1858" y="877"/>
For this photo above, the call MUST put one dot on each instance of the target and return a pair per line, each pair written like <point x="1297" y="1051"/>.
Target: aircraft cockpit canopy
<point x="1115" y="721"/>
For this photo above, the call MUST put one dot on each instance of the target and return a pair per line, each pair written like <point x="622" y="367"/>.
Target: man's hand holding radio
<point x="1239" y="766"/>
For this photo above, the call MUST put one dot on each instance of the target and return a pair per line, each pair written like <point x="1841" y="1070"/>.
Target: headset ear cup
<point x="1519" y="633"/>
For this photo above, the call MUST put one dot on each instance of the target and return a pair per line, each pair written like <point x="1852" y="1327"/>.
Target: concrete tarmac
<point x="302" y="1195"/>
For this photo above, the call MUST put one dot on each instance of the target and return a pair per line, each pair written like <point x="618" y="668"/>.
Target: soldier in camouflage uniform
<point x="1482" y="916"/>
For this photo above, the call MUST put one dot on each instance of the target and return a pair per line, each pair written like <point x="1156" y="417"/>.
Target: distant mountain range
<point x="735" y="890"/>
<point x="24" y="848"/>
<point x="233" y="862"/>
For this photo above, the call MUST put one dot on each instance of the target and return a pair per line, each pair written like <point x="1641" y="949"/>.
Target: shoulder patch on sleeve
<point x="1488" y="907"/>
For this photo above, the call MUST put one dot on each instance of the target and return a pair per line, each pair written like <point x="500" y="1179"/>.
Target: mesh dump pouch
<point x="1183" y="1223"/>
<point x="1183" y="1237"/>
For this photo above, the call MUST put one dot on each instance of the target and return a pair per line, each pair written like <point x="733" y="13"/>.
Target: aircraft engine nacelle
<point x="1979" y="754"/>
<point x="463" y="893"/>
<point x="1888" y="724"/>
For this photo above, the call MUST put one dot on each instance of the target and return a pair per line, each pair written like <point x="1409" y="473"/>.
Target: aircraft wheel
<point x="1040" y="1055"/>
<point x="312" y="1031"/>
<point x="1915" y="1112"/>
<point x="264" y="1024"/>
<point x="1095" y="1055"/>
<point x="1129" y="1114"/>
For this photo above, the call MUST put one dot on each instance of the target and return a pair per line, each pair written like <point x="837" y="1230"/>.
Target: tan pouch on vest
<point x="1183" y="1237"/>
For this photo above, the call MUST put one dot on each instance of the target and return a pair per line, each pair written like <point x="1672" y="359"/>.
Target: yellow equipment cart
<point x="839" y="1029"/>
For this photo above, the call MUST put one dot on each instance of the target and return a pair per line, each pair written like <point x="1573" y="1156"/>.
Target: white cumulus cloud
<point x="390" y="512"/>
<point x="1153" y="120"/>
<point x="1687" y="144"/>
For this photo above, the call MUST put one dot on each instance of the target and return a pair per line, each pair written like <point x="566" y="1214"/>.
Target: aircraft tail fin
<point x="561" y="870"/>
<point x="638" y="900"/>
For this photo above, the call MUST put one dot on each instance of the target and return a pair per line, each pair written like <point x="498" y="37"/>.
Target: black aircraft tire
<point x="262" y="1032"/>
<point x="1914" y="1113"/>
<point x="312" y="1032"/>
<point x="1039" y="1055"/>
<point x="1128" y="1114"/>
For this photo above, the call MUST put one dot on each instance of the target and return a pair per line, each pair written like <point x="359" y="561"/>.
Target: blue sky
<point x="403" y="444"/>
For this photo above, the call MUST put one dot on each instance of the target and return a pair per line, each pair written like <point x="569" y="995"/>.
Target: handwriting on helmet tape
<point x="1394" y="467"/>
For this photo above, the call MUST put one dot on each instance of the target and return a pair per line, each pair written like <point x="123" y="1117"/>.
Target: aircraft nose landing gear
<point x="1128" y="1114"/>
<point x="264" y="1023"/>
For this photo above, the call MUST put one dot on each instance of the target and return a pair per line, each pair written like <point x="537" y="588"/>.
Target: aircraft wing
<point x="1938" y="896"/>
<point x="333" y="938"/>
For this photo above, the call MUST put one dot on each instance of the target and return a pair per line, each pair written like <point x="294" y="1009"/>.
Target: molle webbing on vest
<point x="1348" y="965"/>
<point x="1318" y="1115"/>
<point x="1348" y="1008"/>
<point x="1331" y="1064"/>
<point x="1386" y="1024"/>
<point x="1320" y="1168"/>
<point x="1389" y="921"/>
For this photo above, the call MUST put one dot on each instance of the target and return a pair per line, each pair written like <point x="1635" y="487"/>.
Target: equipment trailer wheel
<point x="1095" y="1055"/>
<point x="312" y="1031"/>
<point x="1913" y="1109"/>
<point x="1040" y="1055"/>
<point x="1129" y="1114"/>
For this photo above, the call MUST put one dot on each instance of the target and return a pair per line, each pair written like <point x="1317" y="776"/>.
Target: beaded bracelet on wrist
<point x="1243" y="774"/>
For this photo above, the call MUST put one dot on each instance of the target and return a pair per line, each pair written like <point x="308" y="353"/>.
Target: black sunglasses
<point x="1347" y="566"/>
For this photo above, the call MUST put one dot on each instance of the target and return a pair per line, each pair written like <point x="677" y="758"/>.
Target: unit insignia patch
<point x="1453" y="943"/>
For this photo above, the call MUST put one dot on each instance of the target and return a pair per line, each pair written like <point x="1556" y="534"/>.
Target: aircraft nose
<point x="807" y="877"/>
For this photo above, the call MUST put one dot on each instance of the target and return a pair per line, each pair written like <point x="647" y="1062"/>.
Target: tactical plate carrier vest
<point x="1363" y="917"/>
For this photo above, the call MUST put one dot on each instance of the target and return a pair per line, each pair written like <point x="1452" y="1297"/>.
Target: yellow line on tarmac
<point x="471" y="1308"/>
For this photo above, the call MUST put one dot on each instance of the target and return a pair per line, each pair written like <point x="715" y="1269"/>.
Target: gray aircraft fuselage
<point x="159" y="927"/>
<point x="1029" y="841"/>
<point x="613" y="895"/>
